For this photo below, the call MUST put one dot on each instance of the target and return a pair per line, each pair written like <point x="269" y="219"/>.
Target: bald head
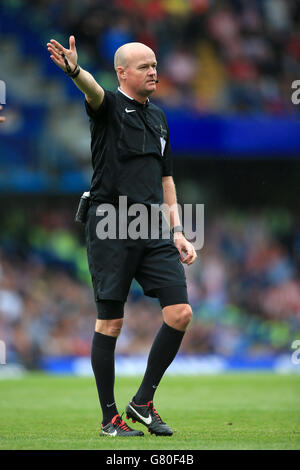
<point x="135" y="65"/>
<point x="129" y="52"/>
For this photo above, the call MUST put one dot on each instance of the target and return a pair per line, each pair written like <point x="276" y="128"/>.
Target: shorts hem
<point x="111" y="297"/>
<point x="109" y="309"/>
<point x="152" y="292"/>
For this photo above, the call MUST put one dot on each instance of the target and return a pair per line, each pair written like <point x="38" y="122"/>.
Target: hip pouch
<point x="83" y="207"/>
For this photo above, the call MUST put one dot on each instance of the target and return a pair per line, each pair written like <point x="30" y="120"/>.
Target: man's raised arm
<point x="66" y="59"/>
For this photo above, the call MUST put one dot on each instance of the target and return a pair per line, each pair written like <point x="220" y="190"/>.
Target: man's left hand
<point x="187" y="252"/>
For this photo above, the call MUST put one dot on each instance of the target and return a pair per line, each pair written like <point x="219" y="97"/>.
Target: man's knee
<point x="109" y="327"/>
<point x="178" y="316"/>
<point x="185" y="315"/>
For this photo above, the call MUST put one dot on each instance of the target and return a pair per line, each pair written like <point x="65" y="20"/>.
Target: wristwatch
<point x="178" y="228"/>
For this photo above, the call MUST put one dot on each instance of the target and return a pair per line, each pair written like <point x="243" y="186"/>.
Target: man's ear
<point x="121" y="72"/>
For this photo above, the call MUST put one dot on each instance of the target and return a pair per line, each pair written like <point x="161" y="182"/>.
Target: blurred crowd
<point x="213" y="55"/>
<point x="244" y="288"/>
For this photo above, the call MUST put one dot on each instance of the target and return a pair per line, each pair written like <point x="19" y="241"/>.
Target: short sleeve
<point x="101" y="112"/>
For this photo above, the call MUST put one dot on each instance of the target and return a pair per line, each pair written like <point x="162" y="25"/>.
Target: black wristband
<point x="68" y="70"/>
<point x="75" y="72"/>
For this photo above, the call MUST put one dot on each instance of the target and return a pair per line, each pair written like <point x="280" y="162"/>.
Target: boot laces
<point x="152" y="408"/>
<point x="119" y="423"/>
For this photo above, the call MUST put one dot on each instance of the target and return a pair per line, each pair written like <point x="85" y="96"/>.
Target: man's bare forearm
<point x="171" y="200"/>
<point x="86" y="83"/>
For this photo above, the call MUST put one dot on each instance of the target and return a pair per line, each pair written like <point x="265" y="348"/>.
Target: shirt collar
<point x="132" y="99"/>
<point x="119" y="88"/>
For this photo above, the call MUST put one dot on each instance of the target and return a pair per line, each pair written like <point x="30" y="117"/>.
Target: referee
<point x="131" y="157"/>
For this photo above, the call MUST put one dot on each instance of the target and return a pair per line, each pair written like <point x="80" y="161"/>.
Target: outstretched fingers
<point x="58" y="62"/>
<point x="54" y="52"/>
<point x="58" y="46"/>
<point x="56" y="57"/>
<point x="57" y="53"/>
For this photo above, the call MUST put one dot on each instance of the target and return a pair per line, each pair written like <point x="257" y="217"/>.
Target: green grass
<point x="236" y="411"/>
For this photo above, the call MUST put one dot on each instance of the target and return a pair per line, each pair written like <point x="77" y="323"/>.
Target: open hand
<point x="57" y="50"/>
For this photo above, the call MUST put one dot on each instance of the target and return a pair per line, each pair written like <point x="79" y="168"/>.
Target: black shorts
<point x="114" y="263"/>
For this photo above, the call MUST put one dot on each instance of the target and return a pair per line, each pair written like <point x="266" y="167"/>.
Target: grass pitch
<point x="236" y="411"/>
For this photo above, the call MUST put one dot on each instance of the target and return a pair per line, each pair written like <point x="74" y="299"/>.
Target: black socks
<point x="164" y="349"/>
<point x="162" y="353"/>
<point x="103" y="364"/>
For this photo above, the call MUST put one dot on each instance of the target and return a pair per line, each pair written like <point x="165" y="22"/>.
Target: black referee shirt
<point x="130" y="150"/>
